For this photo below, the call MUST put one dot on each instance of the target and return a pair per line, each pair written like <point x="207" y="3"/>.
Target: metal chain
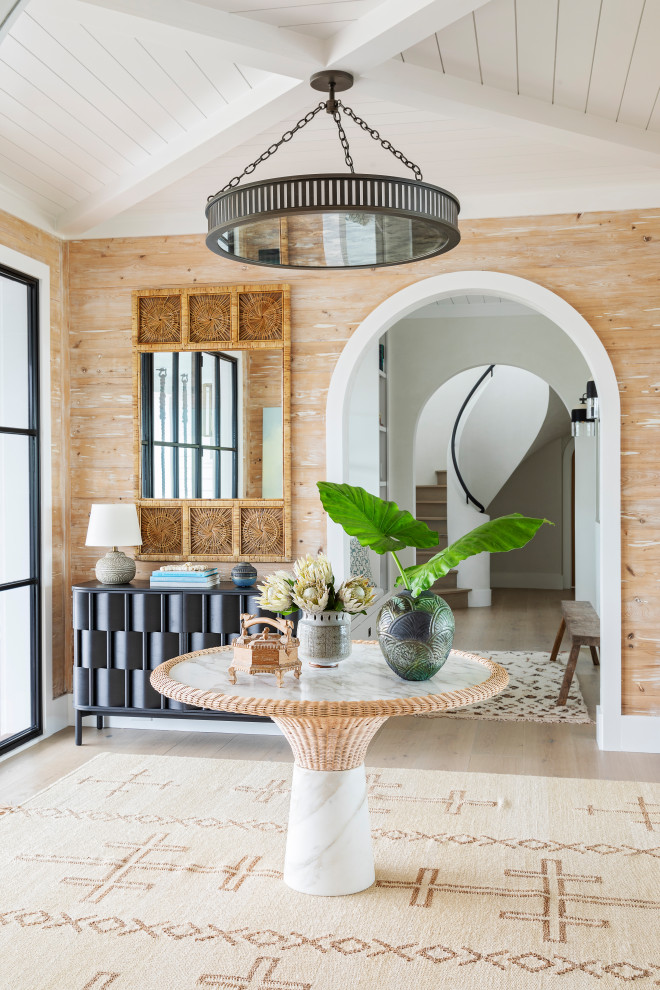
<point x="344" y="141"/>
<point x="385" y="144"/>
<point x="271" y="150"/>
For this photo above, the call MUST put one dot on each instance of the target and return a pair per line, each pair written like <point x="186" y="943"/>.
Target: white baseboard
<point x="479" y="598"/>
<point x="527" y="579"/>
<point x="640" y="733"/>
<point x="629" y="734"/>
<point x="222" y="727"/>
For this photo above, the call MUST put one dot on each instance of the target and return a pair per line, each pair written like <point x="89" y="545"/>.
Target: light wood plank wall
<point x="48" y="250"/>
<point x="605" y="265"/>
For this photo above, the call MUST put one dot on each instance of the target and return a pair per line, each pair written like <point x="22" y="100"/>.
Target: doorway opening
<point x="393" y="323"/>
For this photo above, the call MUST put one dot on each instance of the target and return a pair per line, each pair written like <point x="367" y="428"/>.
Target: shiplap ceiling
<point x="122" y="116"/>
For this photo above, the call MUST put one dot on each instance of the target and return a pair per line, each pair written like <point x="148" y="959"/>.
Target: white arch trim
<point x="614" y="731"/>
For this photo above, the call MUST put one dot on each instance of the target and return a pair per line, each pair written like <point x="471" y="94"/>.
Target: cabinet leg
<point x="99" y="721"/>
<point x="78" y="729"/>
<point x="594" y="656"/>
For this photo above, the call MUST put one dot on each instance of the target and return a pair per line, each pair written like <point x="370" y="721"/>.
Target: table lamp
<point x="113" y="526"/>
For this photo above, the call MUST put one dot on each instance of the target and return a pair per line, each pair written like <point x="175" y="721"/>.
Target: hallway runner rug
<point x="165" y="873"/>
<point x="531" y="693"/>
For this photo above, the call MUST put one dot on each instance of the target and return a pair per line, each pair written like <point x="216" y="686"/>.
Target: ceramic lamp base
<point x="115" y="568"/>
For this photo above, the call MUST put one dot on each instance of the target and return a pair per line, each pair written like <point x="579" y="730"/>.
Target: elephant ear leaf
<point x="377" y="524"/>
<point x="505" y="533"/>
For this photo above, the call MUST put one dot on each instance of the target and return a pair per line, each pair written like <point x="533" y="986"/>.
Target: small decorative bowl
<point x="244" y="575"/>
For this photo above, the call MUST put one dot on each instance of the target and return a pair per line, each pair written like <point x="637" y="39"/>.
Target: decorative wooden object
<point x="263" y="653"/>
<point x="253" y="318"/>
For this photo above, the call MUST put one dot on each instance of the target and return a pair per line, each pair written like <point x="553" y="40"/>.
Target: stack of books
<point x="185" y="575"/>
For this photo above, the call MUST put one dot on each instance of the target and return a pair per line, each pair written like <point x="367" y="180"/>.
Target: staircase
<point x="432" y="508"/>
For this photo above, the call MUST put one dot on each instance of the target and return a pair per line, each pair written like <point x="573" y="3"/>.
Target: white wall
<point x="587" y="532"/>
<point x="428" y="352"/>
<point x="535" y="489"/>
<point x="436" y="423"/>
<point x="363" y="424"/>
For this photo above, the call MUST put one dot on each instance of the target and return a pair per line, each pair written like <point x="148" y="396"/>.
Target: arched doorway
<point x="541" y="300"/>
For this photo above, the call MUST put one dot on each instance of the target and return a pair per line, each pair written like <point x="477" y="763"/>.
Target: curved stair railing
<point x="469" y="497"/>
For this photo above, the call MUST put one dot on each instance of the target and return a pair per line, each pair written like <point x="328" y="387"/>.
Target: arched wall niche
<point x="611" y="732"/>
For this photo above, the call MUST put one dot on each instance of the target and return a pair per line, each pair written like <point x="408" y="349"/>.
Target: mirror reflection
<point x="211" y="424"/>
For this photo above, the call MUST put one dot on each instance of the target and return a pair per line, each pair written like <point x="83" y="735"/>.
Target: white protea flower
<point x="276" y="592"/>
<point x="356" y="595"/>
<point x="312" y="569"/>
<point x="310" y="596"/>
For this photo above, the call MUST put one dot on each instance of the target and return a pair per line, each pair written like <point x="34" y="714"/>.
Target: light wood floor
<point x="518" y="620"/>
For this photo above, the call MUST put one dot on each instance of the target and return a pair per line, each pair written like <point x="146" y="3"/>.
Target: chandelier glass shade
<point x="337" y="220"/>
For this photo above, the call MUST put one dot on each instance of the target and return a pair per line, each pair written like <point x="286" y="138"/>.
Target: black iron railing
<point x="469" y="497"/>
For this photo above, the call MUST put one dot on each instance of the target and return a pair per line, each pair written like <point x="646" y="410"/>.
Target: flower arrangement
<point x="311" y="588"/>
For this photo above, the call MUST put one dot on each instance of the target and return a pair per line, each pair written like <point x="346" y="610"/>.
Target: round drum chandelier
<point x="333" y="220"/>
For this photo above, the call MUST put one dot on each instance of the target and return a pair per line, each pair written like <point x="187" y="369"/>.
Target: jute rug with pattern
<point x="164" y="873"/>
<point x="531" y="693"/>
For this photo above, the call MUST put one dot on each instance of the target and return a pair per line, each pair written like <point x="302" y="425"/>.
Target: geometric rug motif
<point x="530" y="695"/>
<point x="164" y="873"/>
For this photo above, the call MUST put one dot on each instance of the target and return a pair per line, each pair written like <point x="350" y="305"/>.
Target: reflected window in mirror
<point x="190" y="425"/>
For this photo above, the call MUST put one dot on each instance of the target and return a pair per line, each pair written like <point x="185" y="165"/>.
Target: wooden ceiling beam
<point x="236" y="123"/>
<point x="239" y="39"/>
<point x="390" y="28"/>
<point x="428" y="89"/>
<point x="9" y="11"/>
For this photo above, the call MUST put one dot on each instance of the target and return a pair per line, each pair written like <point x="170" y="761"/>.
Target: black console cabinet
<point x="121" y="632"/>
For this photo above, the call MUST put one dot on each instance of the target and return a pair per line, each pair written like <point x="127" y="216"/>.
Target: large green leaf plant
<point x="385" y="527"/>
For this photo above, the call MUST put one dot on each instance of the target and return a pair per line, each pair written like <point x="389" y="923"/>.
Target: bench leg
<point x="558" y="639"/>
<point x="594" y="656"/>
<point x="568" y="674"/>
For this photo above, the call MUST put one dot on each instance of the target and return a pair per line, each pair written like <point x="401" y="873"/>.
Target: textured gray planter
<point x="325" y="638"/>
<point x="415" y="634"/>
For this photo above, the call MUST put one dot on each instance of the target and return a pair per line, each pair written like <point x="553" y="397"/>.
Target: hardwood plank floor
<point x="517" y="620"/>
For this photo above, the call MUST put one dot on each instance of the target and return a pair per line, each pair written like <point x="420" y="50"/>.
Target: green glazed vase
<point x="415" y="634"/>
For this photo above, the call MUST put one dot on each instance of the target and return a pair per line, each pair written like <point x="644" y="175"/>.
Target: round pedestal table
<point x="329" y="717"/>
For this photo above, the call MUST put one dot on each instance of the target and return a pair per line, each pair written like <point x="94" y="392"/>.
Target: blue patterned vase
<point x="415" y="634"/>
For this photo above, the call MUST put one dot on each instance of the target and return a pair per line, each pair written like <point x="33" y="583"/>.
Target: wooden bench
<point x="584" y="629"/>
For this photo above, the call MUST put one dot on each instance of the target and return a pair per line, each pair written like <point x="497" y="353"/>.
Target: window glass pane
<point x="162" y="409"/>
<point x="226" y="404"/>
<point x="186" y="472"/>
<point x="209" y="364"/>
<point x="208" y="473"/>
<point x="163" y="487"/>
<point x="15" y="679"/>
<point x="226" y="474"/>
<point x="186" y="401"/>
<point x="13" y="354"/>
<point x="14" y="508"/>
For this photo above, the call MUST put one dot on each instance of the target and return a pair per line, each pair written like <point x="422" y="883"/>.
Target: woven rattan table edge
<point x="244" y="705"/>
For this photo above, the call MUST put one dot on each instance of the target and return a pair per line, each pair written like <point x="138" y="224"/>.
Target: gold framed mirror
<point x="212" y="395"/>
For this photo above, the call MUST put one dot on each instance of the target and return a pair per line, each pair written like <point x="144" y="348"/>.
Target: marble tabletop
<point x="362" y="679"/>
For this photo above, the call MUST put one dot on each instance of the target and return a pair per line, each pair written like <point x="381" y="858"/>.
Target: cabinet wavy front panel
<point x="121" y="635"/>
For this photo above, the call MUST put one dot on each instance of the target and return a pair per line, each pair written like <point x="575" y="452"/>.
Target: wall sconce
<point x="585" y="416"/>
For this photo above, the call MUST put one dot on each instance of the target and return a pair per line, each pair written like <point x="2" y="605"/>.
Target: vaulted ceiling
<point x="122" y="116"/>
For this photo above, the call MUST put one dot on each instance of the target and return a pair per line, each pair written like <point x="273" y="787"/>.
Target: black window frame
<point x="149" y="445"/>
<point x="32" y="432"/>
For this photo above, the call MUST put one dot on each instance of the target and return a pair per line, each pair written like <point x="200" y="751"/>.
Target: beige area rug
<point x="164" y="873"/>
<point x="531" y="693"/>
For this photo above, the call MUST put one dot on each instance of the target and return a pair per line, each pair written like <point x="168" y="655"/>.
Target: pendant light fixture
<point x="332" y="220"/>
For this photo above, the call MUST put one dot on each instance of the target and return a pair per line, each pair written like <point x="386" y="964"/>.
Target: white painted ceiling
<point x="122" y="116"/>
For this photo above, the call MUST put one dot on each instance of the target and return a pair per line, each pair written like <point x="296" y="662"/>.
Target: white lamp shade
<point x="113" y="526"/>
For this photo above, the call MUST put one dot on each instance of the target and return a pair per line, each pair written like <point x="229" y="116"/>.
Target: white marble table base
<point x="329" y="849"/>
<point x="328" y="845"/>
